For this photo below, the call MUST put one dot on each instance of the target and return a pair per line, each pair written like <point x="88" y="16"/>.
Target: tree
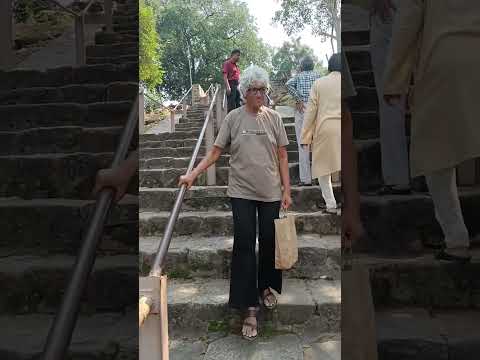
<point x="151" y="72"/>
<point x="199" y="36"/>
<point x="286" y="59"/>
<point x="323" y="16"/>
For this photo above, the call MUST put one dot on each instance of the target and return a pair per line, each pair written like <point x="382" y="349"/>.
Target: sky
<point x="274" y="35"/>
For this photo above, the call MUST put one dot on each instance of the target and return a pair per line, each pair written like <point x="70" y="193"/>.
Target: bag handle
<point x="283" y="213"/>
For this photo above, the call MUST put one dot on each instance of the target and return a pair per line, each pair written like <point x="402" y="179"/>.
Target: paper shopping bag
<point x="359" y="338"/>
<point x="286" y="246"/>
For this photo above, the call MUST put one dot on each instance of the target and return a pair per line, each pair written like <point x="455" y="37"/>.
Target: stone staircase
<point x="306" y="322"/>
<point x="58" y="128"/>
<point x="425" y="309"/>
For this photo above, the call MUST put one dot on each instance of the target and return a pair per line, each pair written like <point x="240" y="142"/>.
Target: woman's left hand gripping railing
<point x="61" y="331"/>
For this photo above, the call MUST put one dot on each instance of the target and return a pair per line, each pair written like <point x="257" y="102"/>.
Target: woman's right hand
<point x="187" y="180"/>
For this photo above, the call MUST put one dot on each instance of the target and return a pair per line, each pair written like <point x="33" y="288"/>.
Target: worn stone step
<point x="366" y="100"/>
<point x="57" y="225"/>
<point x="54" y="175"/>
<point x="185" y="144"/>
<point x="359" y="60"/>
<point x="96" y="337"/>
<point x="83" y="94"/>
<point x="422" y="280"/>
<point x="369" y="164"/>
<point x="196" y="304"/>
<point x="416" y="333"/>
<point x="204" y="198"/>
<point x="112" y="50"/>
<point x="406" y="223"/>
<point x="105" y="38"/>
<point x="363" y="78"/>
<point x="169" y="177"/>
<point x="36" y="283"/>
<point x="366" y="125"/>
<point x="353" y="38"/>
<point x="196" y="257"/>
<point x="220" y="223"/>
<point x="68" y="75"/>
<point x="121" y="59"/>
<point x="62" y="139"/>
<point x="183" y="162"/>
<point x="21" y="117"/>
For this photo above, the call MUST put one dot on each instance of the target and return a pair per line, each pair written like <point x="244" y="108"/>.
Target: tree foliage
<point x="199" y="36"/>
<point x="286" y="59"/>
<point x="323" y="16"/>
<point x="151" y="72"/>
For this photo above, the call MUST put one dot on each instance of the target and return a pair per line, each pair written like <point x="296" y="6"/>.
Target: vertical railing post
<point x="184" y="108"/>
<point x="141" y="113"/>
<point x="6" y="33"/>
<point x="108" y="15"/>
<point x="218" y="109"/>
<point x="153" y="339"/>
<point x="80" y="39"/>
<point x="209" y="140"/>
<point x="172" y="121"/>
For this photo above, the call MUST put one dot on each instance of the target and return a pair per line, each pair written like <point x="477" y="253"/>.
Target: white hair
<point x="251" y="74"/>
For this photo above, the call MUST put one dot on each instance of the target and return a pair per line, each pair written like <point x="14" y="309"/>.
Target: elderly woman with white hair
<point x="258" y="182"/>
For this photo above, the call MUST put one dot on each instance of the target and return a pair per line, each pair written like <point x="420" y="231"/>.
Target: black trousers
<point x="233" y="100"/>
<point x="246" y="283"/>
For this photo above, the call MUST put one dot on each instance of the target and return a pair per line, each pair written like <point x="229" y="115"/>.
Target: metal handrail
<point x="79" y="18"/>
<point x="61" y="331"/>
<point x="156" y="101"/>
<point x="183" y="98"/>
<point x="162" y="249"/>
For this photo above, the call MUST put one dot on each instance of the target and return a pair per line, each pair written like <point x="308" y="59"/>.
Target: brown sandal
<point x="267" y="293"/>
<point x="250" y="313"/>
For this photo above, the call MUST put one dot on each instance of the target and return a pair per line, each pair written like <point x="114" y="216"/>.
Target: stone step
<point x="158" y="178"/>
<point x="36" y="284"/>
<point x="83" y="94"/>
<point x="105" y="38"/>
<point x="57" y="225"/>
<point x="96" y="337"/>
<point x="54" y="175"/>
<point x="271" y="346"/>
<point x="149" y="153"/>
<point x="422" y="280"/>
<point x="120" y="59"/>
<point x="366" y="125"/>
<point x="183" y="162"/>
<point x="148" y="147"/>
<point x="359" y="60"/>
<point x="354" y="38"/>
<point x="366" y="100"/>
<point x="68" y="75"/>
<point x="406" y="223"/>
<point x="112" y="50"/>
<point x="62" y="139"/>
<point x="21" y="117"/>
<point x="220" y="223"/>
<point x="417" y="333"/>
<point x="204" y="198"/>
<point x="318" y="257"/>
<point x="363" y="78"/>
<point x="199" y="304"/>
<point x="369" y="164"/>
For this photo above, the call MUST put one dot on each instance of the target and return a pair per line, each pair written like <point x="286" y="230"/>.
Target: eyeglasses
<point x="256" y="91"/>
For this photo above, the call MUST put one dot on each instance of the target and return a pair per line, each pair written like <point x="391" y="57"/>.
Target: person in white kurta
<point x="322" y="129"/>
<point x="437" y="41"/>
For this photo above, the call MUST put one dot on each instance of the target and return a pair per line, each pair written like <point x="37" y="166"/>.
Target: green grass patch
<point x="218" y="326"/>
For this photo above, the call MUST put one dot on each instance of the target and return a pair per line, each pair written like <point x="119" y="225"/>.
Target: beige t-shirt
<point x="254" y="164"/>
